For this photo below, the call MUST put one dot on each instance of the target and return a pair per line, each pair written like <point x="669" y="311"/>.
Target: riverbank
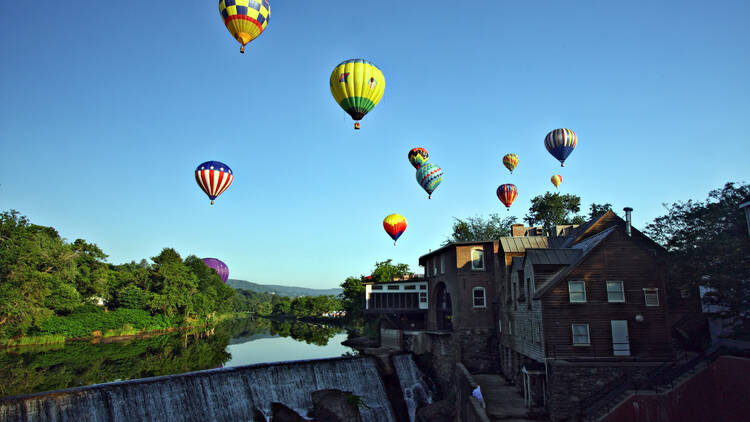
<point x="134" y="324"/>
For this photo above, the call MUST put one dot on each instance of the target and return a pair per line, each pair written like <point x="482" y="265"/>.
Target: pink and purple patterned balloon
<point x="219" y="267"/>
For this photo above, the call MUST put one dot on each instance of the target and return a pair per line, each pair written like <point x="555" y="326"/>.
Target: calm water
<point x="233" y="343"/>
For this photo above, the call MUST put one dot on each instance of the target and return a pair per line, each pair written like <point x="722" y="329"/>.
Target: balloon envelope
<point x="219" y="267"/>
<point x="507" y="193"/>
<point x="417" y="157"/>
<point x="510" y="161"/>
<point x="245" y="19"/>
<point x="556" y="180"/>
<point x="394" y="225"/>
<point x="429" y="177"/>
<point x="357" y="86"/>
<point x="213" y="177"/>
<point x="560" y="143"/>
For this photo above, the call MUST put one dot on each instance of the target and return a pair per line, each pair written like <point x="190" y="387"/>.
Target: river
<point x="248" y="341"/>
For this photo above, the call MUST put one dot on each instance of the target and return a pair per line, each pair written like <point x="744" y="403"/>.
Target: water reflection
<point x="237" y="342"/>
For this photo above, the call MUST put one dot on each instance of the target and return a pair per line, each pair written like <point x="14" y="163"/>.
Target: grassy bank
<point x="96" y="323"/>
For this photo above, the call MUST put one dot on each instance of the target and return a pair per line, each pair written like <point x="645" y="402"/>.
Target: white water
<point x="231" y="394"/>
<point x="415" y="390"/>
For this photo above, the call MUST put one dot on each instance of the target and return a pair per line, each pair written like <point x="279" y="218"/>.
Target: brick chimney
<point x="517" y="230"/>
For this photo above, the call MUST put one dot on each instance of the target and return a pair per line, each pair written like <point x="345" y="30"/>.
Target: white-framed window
<point x="374" y="287"/>
<point x="423" y="297"/>
<point x="537" y="333"/>
<point x="685" y="293"/>
<point x="477" y="259"/>
<point x="580" y="334"/>
<point x="510" y="328"/>
<point x="651" y="296"/>
<point x="442" y="264"/>
<point x="577" y="291"/>
<point x="615" y="292"/>
<point x="500" y="326"/>
<point x="434" y="266"/>
<point x="479" y="299"/>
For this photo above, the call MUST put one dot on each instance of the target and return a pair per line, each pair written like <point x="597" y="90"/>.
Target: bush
<point x="84" y="322"/>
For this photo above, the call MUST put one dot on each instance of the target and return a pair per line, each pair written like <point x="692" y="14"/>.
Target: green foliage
<point x="353" y="297"/>
<point x="553" y="209"/>
<point x="385" y="271"/>
<point x="84" y="322"/>
<point x="477" y="228"/>
<point x="708" y="245"/>
<point x="595" y="210"/>
<point x="42" y="278"/>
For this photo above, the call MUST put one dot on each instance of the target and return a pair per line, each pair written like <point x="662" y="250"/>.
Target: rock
<point x="360" y="342"/>
<point x="281" y="413"/>
<point x="439" y="411"/>
<point x="336" y="406"/>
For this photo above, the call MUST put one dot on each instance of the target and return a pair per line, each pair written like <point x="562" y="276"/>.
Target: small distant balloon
<point x="214" y="178"/>
<point x="417" y="157"/>
<point x="429" y="177"/>
<point x="507" y="193"/>
<point x="510" y="161"/>
<point x="218" y="266"/>
<point x="556" y="180"/>
<point x="560" y="143"/>
<point x="394" y="225"/>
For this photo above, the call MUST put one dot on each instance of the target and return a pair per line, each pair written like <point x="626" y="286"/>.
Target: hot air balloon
<point x="556" y="180"/>
<point x="214" y="178"/>
<point x="560" y="143"/>
<point x="394" y="225"/>
<point x="418" y="156"/>
<point x="429" y="177"/>
<point x="219" y="267"/>
<point x="507" y="194"/>
<point x="357" y="86"/>
<point x="245" y="19"/>
<point x="510" y="161"/>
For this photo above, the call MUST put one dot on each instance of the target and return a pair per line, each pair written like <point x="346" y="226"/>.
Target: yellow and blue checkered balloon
<point x="245" y="19"/>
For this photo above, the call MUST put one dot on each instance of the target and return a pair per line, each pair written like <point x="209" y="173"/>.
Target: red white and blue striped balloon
<point x="214" y="178"/>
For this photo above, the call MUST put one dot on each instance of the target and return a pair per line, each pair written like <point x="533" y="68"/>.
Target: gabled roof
<point x="521" y="243"/>
<point x="581" y="230"/>
<point x="557" y="256"/>
<point x="451" y="244"/>
<point x="585" y="246"/>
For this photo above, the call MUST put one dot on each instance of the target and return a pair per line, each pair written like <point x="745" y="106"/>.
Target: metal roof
<point x="557" y="256"/>
<point x="521" y="243"/>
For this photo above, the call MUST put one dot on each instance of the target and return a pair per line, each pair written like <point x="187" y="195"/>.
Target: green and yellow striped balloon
<point x="357" y="86"/>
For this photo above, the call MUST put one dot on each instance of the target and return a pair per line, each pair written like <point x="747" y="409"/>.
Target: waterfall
<point x="416" y="392"/>
<point x="231" y="394"/>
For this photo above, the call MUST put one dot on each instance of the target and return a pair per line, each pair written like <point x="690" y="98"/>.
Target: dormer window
<point x="477" y="259"/>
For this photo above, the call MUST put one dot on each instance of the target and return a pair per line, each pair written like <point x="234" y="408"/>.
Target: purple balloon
<point x="219" y="267"/>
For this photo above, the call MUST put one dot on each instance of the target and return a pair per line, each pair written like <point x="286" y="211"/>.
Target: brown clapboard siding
<point x="617" y="258"/>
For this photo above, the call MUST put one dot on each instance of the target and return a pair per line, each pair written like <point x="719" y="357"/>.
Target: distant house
<point x="403" y="301"/>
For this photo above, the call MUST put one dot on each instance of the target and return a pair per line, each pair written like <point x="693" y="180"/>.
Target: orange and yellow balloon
<point x="245" y="19"/>
<point x="394" y="225"/>
<point x="510" y="161"/>
<point x="556" y="180"/>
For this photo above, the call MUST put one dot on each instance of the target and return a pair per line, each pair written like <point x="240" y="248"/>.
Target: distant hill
<point x="281" y="290"/>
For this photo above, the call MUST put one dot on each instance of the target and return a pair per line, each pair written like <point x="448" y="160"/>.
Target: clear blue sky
<point x="108" y="107"/>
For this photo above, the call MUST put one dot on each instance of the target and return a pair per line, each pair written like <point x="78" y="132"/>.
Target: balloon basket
<point x="212" y="202"/>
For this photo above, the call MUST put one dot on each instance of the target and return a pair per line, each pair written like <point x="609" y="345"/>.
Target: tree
<point x="477" y="228"/>
<point x="353" y="296"/>
<point x="708" y="245"/>
<point x="595" y="210"/>
<point x="552" y="209"/>
<point x="385" y="271"/>
<point x="133" y="297"/>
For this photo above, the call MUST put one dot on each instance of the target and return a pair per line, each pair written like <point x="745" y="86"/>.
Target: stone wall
<point x="479" y="350"/>
<point x="435" y="354"/>
<point x="571" y="383"/>
<point x="468" y="408"/>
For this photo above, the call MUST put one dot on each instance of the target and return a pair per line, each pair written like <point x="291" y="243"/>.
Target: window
<point x="434" y="266"/>
<point x="581" y="335"/>
<point x="577" y="291"/>
<point x="478" y="293"/>
<point x="422" y="287"/>
<point x="442" y="264"/>
<point x="537" y="333"/>
<point x="410" y="287"/>
<point x="477" y="259"/>
<point x="377" y="287"/>
<point x="615" y="292"/>
<point x="510" y="328"/>
<point x="652" y="296"/>
<point x="392" y="287"/>
<point x="500" y="326"/>
<point x="423" y="297"/>
<point x="685" y="293"/>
